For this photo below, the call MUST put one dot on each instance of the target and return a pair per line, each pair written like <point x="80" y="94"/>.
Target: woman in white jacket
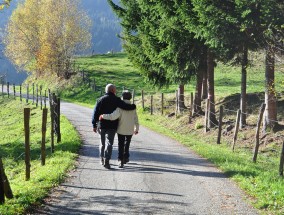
<point x="127" y="126"/>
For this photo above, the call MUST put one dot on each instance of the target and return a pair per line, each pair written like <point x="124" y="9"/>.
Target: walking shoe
<point x="126" y="160"/>
<point x="106" y="164"/>
<point x="102" y="161"/>
<point x="120" y="164"/>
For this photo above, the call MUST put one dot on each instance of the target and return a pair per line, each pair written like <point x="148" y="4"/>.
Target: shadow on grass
<point x="232" y="173"/>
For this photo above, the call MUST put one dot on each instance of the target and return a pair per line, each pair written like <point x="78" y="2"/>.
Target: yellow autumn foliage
<point x="44" y="35"/>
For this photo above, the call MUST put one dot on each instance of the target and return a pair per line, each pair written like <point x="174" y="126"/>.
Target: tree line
<point x="173" y="41"/>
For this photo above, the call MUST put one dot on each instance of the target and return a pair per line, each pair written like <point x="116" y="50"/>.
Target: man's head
<point x="110" y="88"/>
<point x="126" y="95"/>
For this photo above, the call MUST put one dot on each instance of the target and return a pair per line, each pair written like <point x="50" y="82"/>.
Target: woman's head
<point x="126" y="95"/>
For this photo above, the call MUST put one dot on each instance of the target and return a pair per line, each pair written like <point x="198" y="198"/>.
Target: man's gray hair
<point x="109" y="88"/>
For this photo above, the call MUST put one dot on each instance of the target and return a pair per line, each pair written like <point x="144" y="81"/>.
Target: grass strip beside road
<point x="259" y="180"/>
<point x="43" y="178"/>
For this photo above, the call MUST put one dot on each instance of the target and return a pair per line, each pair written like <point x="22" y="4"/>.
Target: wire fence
<point x="176" y="111"/>
<point x="23" y="140"/>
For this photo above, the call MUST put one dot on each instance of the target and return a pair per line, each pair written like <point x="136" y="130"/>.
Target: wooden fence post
<point x="58" y="120"/>
<point x="220" y="124"/>
<point x="44" y="98"/>
<point x="162" y="103"/>
<point x="5" y="182"/>
<point x="151" y="105"/>
<point x="8" y="89"/>
<point x="177" y="106"/>
<point x="3" y="90"/>
<point x="27" y="112"/>
<point x="52" y="122"/>
<point x="281" y="160"/>
<point x="14" y="89"/>
<point x="44" y="120"/>
<point x="49" y="95"/>
<point x="143" y="104"/>
<point x="36" y="95"/>
<point x="236" y="129"/>
<point x="190" y="108"/>
<point x="2" y="194"/>
<point x="40" y="96"/>
<point x="33" y="86"/>
<point x="27" y="98"/>
<point x="259" y="120"/>
<point x="206" y="116"/>
<point x="20" y="92"/>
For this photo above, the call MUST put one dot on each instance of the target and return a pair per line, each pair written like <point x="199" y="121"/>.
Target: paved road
<point x="163" y="177"/>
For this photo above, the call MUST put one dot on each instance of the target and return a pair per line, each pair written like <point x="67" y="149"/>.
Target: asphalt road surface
<point x="162" y="177"/>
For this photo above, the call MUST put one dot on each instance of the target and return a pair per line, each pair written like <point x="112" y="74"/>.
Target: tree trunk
<point x="197" y="110"/>
<point x="270" y="114"/>
<point x="204" y="81"/>
<point x="198" y="90"/>
<point x="243" y="105"/>
<point x="181" y="105"/>
<point x="211" y="94"/>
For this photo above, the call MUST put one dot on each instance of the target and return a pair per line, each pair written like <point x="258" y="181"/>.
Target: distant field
<point x="118" y="70"/>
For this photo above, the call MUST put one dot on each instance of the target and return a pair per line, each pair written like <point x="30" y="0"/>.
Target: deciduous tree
<point x="44" y="35"/>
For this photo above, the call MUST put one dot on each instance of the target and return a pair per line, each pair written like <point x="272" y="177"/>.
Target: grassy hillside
<point x="118" y="70"/>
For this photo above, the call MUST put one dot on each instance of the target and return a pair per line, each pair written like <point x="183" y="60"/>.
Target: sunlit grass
<point x="261" y="180"/>
<point x="27" y="193"/>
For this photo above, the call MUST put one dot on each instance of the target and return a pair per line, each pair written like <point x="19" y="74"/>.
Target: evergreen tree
<point x="263" y="22"/>
<point x="157" y="42"/>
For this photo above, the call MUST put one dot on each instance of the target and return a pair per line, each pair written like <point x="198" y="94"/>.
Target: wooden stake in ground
<point x="44" y="120"/>
<point x="4" y="180"/>
<point x="260" y="116"/>
<point x="20" y="92"/>
<point x="8" y="89"/>
<point x="236" y="129"/>
<point x="220" y="125"/>
<point x="281" y="160"/>
<point x="190" y="108"/>
<point x="206" y="115"/>
<point x="51" y="120"/>
<point x="58" y="120"/>
<point x="27" y="112"/>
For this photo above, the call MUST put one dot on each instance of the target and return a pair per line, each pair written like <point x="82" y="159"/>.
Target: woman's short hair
<point x="126" y="95"/>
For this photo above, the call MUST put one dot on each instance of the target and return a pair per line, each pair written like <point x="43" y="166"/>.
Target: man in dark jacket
<point x="106" y="105"/>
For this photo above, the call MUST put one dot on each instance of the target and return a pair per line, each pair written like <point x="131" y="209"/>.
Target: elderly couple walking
<point x="111" y="115"/>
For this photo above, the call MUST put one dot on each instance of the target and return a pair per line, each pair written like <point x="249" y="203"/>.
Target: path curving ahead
<point x="162" y="177"/>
